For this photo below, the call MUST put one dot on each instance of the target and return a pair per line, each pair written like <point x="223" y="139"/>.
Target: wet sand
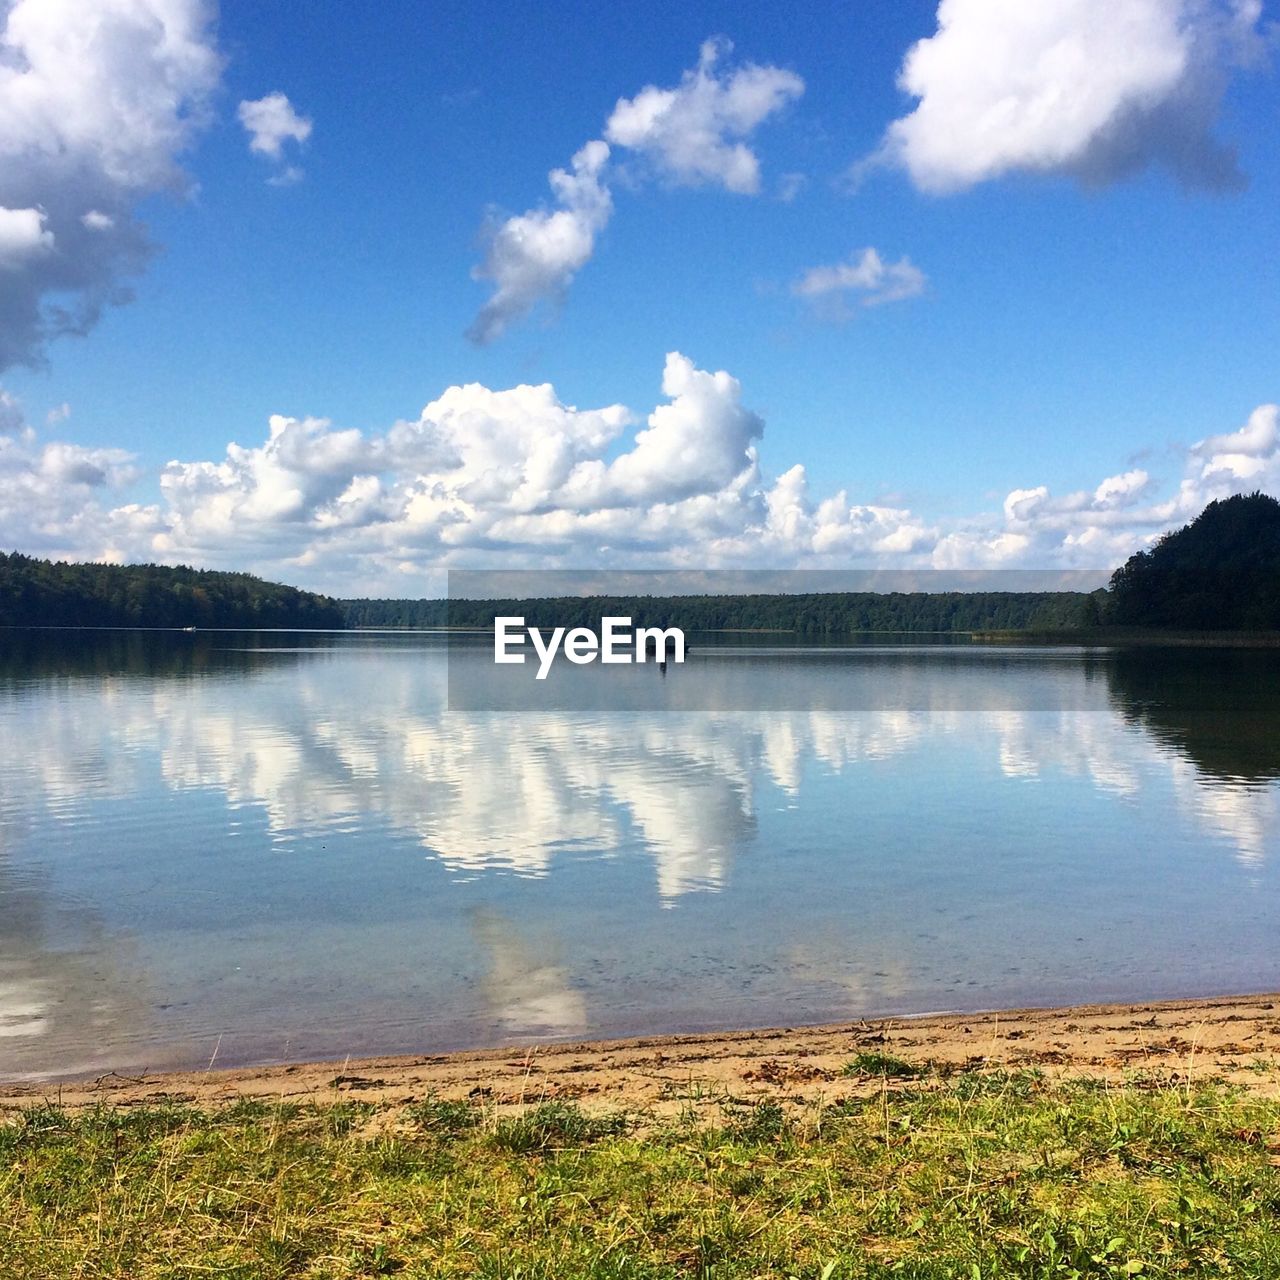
<point x="1236" y="1039"/>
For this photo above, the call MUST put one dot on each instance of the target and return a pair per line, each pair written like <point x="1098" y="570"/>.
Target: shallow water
<point x="239" y="848"/>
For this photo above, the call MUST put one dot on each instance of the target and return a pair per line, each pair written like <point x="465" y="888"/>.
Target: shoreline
<point x="1234" y="1039"/>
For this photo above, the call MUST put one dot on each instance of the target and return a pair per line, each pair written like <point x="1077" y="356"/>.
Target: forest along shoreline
<point x="1233" y="1040"/>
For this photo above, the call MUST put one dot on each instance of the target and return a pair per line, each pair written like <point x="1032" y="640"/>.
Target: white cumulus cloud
<point x="98" y="100"/>
<point x="520" y="478"/>
<point x="1124" y="512"/>
<point x="1250" y="454"/>
<point x="22" y="237"/>
<point x="534" y="257"/>
<point x="865" y="277"/>
<point x="1090" y="88"/>
<point x="51" y="493"/>
<point x="271" y="123"/>
<point x="701" y="441"/>
<point x="695" y="133"/>
<point x="692" y="135"/>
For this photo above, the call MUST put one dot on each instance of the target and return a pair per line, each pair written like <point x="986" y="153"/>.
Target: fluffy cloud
<point x="1121" y="490"/>
<point x="701" y="441"/>
<point x="692" y="135"/>
<point x="271" y="123"/>
<point x="98" y="99"/>
<point x="22" y="237"/>
<point x="866" y="277"/>
<point x="480" y="477"/>
<point x="1122" y="514"/>
<point x="51" y="493"/>
<point x="1086" y="529"/>
<point x="486" y="478"/>
<point x="534" y="257"/>
<point x="1250" y="455"/>
<point x="1090" y="88"/>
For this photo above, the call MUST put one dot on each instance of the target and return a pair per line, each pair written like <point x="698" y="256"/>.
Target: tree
<point x="41" y="593"/>
<point x="1221" y="572"/>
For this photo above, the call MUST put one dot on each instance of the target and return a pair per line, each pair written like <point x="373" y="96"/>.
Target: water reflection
<point x="493" y="790"/>
<point x="229" y="818"/>
<point x="67" y="987"/>
<point x="1217" y="708"/>
<point x="525" y="984"/>
<point x="41" y="653"/>
<point x="1217" y="714"/>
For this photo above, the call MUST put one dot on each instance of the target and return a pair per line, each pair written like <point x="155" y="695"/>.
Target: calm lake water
<point x="248" y="848"/>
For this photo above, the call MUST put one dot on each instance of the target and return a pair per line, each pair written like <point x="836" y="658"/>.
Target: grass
<point x="974" y="1177"/>
<point x="881" y="1064"/>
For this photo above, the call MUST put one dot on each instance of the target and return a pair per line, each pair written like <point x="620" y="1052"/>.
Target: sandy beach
<point x="1235" y="1039"/>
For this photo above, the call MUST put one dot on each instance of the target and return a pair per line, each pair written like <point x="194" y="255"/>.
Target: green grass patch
<point x="439" y="1115"/>
<point x="978" y="1177"/>
<point x="881" y="1064"/>
<point x="552" y="1126"/>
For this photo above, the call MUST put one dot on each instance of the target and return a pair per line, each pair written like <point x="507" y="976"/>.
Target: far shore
<point x="1136" y="638"/>
<point x="1232" y="1039"/>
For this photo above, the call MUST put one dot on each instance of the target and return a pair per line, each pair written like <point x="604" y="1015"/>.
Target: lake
<point x="230" y="848"/>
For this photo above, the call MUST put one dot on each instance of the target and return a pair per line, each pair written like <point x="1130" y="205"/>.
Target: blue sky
<point x="1082" y="300"/>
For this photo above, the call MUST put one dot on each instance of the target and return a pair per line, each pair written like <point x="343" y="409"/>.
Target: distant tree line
<point x="57" y="594"/>
<point x="814" y="614"/>
<point x="410" y="614"/>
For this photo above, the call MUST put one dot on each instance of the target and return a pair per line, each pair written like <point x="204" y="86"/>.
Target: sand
<point x="1236" y="1039"/>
